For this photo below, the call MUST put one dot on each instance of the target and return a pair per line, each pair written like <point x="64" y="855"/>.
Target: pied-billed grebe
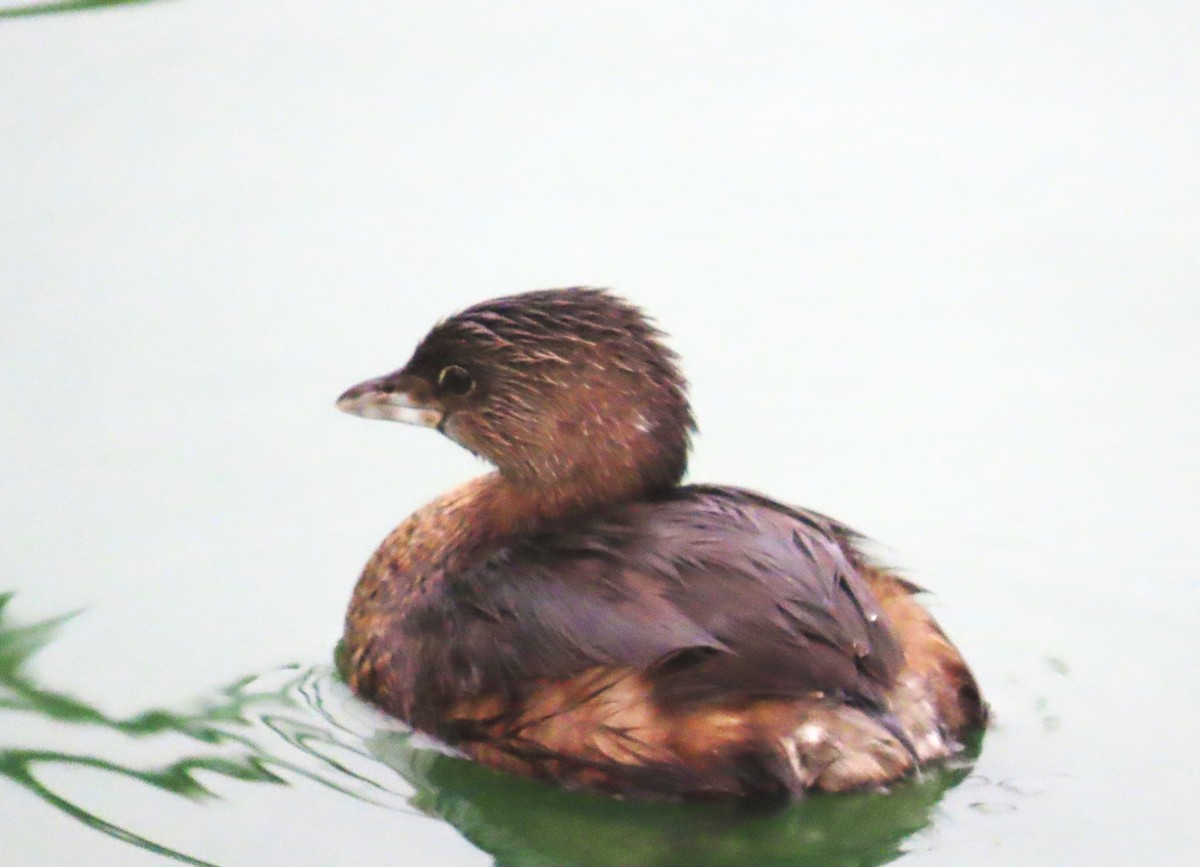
<point x="579" y="616"/>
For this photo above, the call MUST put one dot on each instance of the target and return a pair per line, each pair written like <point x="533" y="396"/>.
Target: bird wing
<point x="714" y="593"/>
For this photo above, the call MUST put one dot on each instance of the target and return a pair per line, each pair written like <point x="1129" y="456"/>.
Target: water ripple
<point x="300" y="725"/>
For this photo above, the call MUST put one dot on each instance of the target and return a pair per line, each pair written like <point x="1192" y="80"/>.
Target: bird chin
<point x="420" y="416"/>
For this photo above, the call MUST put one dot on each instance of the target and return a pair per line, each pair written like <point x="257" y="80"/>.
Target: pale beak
<point x="395" y="397"/>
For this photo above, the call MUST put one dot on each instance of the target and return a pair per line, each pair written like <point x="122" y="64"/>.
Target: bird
<point x="580" y="616"/>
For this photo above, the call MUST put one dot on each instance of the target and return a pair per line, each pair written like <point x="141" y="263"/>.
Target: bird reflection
<point x="523" y="822"/>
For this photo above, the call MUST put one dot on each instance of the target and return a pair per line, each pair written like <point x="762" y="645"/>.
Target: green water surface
<point x="930" y="268"/>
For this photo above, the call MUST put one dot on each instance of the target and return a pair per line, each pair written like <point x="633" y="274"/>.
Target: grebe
<point x="580" y="617"/>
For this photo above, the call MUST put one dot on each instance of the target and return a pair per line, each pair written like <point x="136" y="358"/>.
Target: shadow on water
<point x="294" y="725"/>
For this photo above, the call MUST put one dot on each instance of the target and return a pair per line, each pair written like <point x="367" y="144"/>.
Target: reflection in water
<point x="257" y="730"/>
<point x="291" y="723"/>
<point x="525" y="823"/>
<point x="50" y="7"/>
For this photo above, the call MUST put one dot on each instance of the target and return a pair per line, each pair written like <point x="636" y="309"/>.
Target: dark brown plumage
<point x="578" y="616"/>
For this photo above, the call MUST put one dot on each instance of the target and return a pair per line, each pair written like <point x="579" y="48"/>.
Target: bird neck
<point x="502" y="507"/>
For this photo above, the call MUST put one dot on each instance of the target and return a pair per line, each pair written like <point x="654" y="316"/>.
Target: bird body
<point x="581" y="617"/>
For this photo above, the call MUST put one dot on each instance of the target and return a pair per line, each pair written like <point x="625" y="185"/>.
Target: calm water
<point x="931" y="271"/>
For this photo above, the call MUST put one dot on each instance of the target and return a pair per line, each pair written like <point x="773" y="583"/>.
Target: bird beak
<point x="395" y="397"/>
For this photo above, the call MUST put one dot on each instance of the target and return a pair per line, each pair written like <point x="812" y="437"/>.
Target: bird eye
<point x="455" y="380"/>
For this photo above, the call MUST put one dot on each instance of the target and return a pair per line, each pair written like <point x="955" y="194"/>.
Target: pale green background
<point x="932" y="268"/>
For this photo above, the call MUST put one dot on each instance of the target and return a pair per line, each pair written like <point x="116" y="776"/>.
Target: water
<point x="930" y="271"/>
